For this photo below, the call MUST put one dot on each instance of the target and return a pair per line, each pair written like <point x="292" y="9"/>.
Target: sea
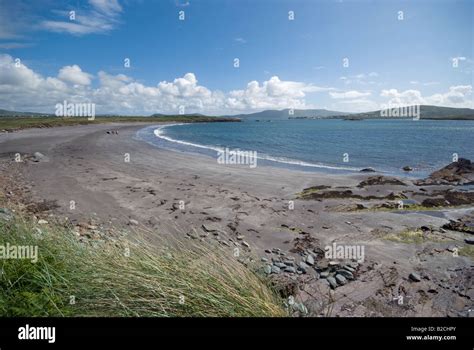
<point x="327" y="145"/>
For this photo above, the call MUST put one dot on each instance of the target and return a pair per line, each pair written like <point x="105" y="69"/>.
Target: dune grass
<point x="414" y="237"/>
<point x="127" y="278"/>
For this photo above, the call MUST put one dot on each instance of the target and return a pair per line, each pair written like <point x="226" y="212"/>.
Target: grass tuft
<point x="129" y="278"/>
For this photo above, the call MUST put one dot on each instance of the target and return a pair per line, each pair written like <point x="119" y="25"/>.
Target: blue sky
<point x="394" y="57"/>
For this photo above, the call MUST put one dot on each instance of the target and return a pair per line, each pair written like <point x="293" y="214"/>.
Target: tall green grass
<point x="129" y="277"/>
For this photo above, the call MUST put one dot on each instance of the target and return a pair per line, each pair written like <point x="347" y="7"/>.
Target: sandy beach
<point x="101" y="179"/>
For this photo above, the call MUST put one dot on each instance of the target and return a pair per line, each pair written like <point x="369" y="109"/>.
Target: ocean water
<point x="335" y="146"/>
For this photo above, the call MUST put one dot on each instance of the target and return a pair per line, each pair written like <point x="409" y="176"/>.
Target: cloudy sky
<point x="235" y="56"/>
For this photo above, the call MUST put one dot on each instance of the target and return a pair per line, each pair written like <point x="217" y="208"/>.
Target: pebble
<point x="332" y="282"/>
<point x="324" y="274"/>
<point x="348" y="268"/>
<point x="5" y="214"/>
<point x="289" y="262"/>
<point x="264" y="259"/>
<point x="346" y="274"/>
<point x="414" y="277"/>
<point x="310" y="260"/>
<point x="39" y="157"/>
<point x="267" y="269"/>
<point x="303" y="267"/>
<point x="276" y="270"/>
<point x="268" y="251"/>
<point x="290" y="269"/>
<point x="240" y="237"/>
<point x="245" y="244"/>
<point x="279" y="265"/>
<point x="469" y="240"/>
<point x="133" y="222"/>
<point x="340" y="279"/>
<point x="42" y="221"/>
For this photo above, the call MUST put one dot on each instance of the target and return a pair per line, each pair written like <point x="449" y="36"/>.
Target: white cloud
<point x="101" y="17"/>
<point x="273" y="93"/>
<point x="456" y="96"/>
<point x="110" y="7"/>
<point x="353" y="94"/>
<point x="75" y="75"/>
<point x="240" y="40"/>
<point x="22" y="88"/>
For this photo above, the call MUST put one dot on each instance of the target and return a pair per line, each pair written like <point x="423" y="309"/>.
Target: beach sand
<point x="250" y="209"/>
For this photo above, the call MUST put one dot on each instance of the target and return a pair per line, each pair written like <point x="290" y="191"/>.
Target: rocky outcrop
<point x="380" y="180"/>
<point x="460" y="172"/>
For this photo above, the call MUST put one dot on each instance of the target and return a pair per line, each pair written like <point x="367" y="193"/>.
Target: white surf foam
<point x="160" y="133"/>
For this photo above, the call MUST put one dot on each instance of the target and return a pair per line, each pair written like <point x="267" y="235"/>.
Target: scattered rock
<point x="209" y="228"/>
<point x="245" y="244"/>
<point x="290" y="269"/>
<point x="435" y="202"/>
<point x="407" y="168"/>
<point x="469" y="240"/>
<point x="341" y="280"/>
<point x="264" y="259"/>
<point x="465" y="224"/>
<point x="367" y="170"/>
<point x="42" y="222"/>
<point x="39" y="157"/>
<point x="275" y="270"/>
<point x="310" y="260"/>
<point x="332" y="282"/>
<point x="133" y="222"/>
<point x="267" y="269"/>
<point x="380" y="180"/>
<point x="414" y="277"/>
<point x="5" y="214"/>
<point x="348" y="268"/>
<point x="345" y="273"/>
<point x="303" y="266"/>
<point x="324" y="274"/>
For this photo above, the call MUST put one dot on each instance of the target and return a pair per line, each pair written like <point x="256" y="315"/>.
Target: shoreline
<point x="191" y="197"/>
<point x="164" y="139"/>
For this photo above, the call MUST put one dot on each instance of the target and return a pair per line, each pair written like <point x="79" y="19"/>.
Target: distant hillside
<point x="184" y="115"/>
<point x="5" y="113"/>
<point x="288" y="114"/>
<point x="426" y="112"/>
